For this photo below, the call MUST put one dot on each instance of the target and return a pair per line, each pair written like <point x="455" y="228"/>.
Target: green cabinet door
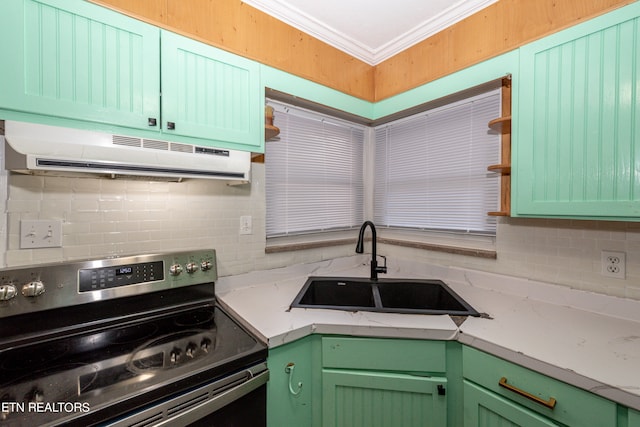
<point x="577" y="146"/>
<point x="381" y="399"/>
<point x="483" y="408"/>
<point x="292" y="393"/>
<point x="376" y="382"/>
<point x="211" y="94"/>
<point x="634" y="418"/>
<point x="73" y="59"/>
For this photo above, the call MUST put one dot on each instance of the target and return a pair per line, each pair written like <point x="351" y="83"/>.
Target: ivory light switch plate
<point x="245" y="224"/>
<point x="45" y="233"/>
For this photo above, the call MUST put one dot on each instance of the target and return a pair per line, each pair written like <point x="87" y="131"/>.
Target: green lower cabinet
<point x="381" y="399"/>
<point x="496" y="389"/>
<point x="293" y="395"/>
<point x="483" y="408"/>
<point x="371" y="382"/>
<point x="339" y="381"/>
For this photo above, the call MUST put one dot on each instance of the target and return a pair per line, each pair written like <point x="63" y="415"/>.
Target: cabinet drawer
<point x="484" y="408"/>
<point x="384" y="354"/>
<point x="573" y="406"/>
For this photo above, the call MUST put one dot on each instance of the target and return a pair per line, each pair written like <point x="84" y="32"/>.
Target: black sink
<point x="338" y="293"/>
<point x="410" y="296"/>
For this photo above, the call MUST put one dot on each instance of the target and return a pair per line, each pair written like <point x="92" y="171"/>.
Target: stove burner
<point x="195" y="318"/>
<point x="133" y="333"/>
<point x="63" y="388"/>
<point x="28" y="358"/>
<point x="147" y="340"/>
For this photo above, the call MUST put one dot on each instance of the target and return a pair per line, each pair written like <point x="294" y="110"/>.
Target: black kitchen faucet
<point x="360" y="249"/>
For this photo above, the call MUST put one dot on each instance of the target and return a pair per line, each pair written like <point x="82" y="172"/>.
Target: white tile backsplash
<point x="565" y="252"/>
<point x="104" y="217"/>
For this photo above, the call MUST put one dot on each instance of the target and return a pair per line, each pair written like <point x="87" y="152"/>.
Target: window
<point x="431" y="168"/>
<point x="314" y="173"/>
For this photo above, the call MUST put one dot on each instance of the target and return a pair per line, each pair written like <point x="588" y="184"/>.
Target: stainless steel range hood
<point x="51" y="150"/>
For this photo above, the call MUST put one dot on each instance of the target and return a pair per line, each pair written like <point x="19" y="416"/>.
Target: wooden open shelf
<point x="502" y="125"/>
<point x="503" y="169"/>
<point x="270" y="132"/>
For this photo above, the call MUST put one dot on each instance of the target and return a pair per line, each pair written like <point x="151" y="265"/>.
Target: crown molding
<point x="288" y="13"/>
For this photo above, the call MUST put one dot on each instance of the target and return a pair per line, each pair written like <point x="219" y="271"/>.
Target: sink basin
<point x="336" y="292"/>
<point x="410" y="296"/>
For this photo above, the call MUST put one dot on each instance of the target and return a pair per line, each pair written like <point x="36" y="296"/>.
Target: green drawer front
<point x="574" y="407"/>
<point x="384" y="354"/>
<point x="485" y="409"/>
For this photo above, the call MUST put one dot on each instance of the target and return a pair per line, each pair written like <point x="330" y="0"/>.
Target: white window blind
<point x="431" y="168"/>
<point x="313" y="174"/>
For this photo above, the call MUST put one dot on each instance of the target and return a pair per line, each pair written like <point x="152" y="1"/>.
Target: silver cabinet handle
<point x="289" y="370"/>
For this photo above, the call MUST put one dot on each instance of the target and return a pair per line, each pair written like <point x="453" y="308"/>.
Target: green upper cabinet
<point x="209" y="93"/>
<point x="87" y="63"/>
<point x="98" y="69"/>
<point x="577" y="152"/>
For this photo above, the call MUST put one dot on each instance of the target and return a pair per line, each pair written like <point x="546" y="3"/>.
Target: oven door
<point x="236" y="400"/>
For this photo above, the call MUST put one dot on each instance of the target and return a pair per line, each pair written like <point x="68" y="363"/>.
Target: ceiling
<point x="370" y="30"/>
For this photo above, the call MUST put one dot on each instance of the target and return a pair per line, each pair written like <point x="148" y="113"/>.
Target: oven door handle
<point x="197" y="404"/>
<point x="218" y="401"/>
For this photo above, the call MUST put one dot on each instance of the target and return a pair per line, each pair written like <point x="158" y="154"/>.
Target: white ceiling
<point x="370" y="30"/>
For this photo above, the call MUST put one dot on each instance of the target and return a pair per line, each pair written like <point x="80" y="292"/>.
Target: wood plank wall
<point x="244" y="30"/>
<point x="239" y="28"/>
<point x="497" y="29"/>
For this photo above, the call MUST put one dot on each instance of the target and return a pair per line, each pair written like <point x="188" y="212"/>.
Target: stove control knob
<point x="34" y="395"/>
<point x="191" y="267"/>
<point x="175" y="269"/>
<point x="7" y="405"/>
<point x="206" y="265"/>
<point x="205" y="344"/>
<point x="191" y="350"/>
<point x="175" y="355"/>
<point x="33" y="289"/>
<point x="7" y="292"/>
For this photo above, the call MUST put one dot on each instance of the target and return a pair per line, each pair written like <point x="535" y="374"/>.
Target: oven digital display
<point x="124" y="270"/>
<point x="94" y="279"/>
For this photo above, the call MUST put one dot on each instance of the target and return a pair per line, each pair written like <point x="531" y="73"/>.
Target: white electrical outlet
<point x="614" y="264"/>
<point x="37" y="233"/>
<point x="245" y="224"/>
